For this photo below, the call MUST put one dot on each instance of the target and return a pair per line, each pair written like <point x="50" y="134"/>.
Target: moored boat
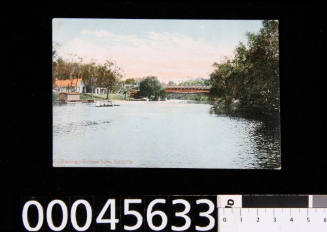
<point x="105" y="103"/>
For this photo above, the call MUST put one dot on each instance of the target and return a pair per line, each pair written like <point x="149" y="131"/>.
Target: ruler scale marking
<point x="281" y="213"/>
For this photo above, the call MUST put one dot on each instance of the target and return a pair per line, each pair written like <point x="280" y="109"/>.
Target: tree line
<point x="105" y="75"/>
<point x="251" y="77"/>
<point x="193" y="82"/>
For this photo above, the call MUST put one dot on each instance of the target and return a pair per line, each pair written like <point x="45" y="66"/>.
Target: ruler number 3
<point x="206" y="214"/>
<point x="187" y="208"/>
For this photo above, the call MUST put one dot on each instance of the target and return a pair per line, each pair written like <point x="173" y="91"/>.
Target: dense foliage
<point x="195" y="82"/>
<point x="130" y="81"/>
<point x="108" y="76"/>
<point x="151" y="88"/>
<point x="251" y="78"/>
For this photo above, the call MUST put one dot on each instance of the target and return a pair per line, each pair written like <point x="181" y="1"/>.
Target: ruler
<point x="271" y="213"/>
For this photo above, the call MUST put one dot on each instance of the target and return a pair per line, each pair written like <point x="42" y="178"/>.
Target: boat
<point x="105" y="103"/>
<point x="139" y="99"/>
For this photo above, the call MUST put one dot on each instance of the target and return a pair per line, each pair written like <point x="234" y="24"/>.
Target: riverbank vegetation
<point x="112" y="96"/>
<point x="151" y="88"/>
<point x="192" y="82"/>
<point x="107" y="75"/>
<point x="89" y="96"/>
<point x="248" y="84"/>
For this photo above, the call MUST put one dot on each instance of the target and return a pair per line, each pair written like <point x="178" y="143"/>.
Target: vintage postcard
<point x="166" y="93"/>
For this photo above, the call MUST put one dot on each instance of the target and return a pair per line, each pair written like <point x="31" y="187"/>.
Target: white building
<point x="99" y="90"/>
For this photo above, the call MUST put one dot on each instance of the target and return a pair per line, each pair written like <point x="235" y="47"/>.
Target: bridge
<point x="187" y="89"/>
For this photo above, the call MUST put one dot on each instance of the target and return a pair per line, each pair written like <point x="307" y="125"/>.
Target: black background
<point x="26" y="157"/>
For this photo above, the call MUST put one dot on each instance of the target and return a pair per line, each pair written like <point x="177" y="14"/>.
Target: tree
<point x="88" y="72"/>
<point x="54" y="61"/>
<point x="219" y="79"/>
<point x="252" y="76"/>
<point x="171" y="83"/>
<point x="151" y="88"/>
<point x="196" y="82"/>
<point x="108" y="76"/>
<point x="130" y="81"/>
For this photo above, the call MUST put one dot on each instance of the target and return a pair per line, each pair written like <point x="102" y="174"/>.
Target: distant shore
<point x="98" y="97"/>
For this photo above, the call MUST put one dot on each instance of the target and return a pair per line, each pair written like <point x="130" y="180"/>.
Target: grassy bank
<point x="88" y="96"/>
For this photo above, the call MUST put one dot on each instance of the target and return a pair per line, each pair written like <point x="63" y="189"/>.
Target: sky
<point x="172" y="50"/>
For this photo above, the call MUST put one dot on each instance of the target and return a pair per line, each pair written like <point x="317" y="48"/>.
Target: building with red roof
<point x="69" y="85"/>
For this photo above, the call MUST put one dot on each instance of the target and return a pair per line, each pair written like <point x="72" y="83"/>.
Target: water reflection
<point x="264" y="137"/>
<point x="267" y="140"/>
<point x="69" y="127"/>
<point x="171" y="134"/>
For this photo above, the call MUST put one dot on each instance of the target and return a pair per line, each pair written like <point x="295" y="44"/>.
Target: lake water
<point x="170" y="134"/>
